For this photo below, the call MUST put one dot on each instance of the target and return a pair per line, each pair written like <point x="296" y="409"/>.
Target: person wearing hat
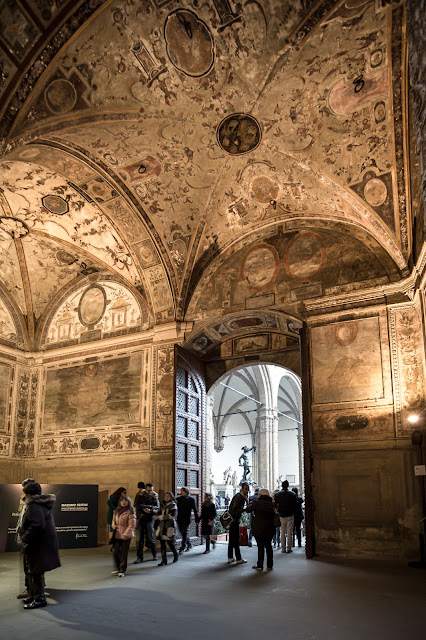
<point x="39" y="541"/>
<point x="263" y="510"/>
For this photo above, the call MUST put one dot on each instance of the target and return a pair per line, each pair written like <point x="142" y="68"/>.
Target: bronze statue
<point x="243" y="462"/>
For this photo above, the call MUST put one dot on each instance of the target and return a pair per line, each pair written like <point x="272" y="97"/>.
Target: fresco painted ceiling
<point x="212" y="155"/>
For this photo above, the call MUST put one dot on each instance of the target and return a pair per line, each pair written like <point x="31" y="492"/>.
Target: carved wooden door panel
<point x="190" y="429"/>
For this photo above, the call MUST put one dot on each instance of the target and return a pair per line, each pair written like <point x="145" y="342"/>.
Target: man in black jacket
<point x="145" y="512"/>
<point x="37" y="536"/>
<point x="236" y="508"/>
<point x="298" y="517"/>
<point x="286" y="505"/>
<point x="186" y="505"/>
<point x="137" y="503"/>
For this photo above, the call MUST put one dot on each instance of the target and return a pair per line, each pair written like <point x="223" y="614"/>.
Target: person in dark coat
<point x="286" y="506"/>
<point x="263" y="510"/>
<point x="146" y="522"/>
<point x="165" y="523"/>
<point x="236" y="508"/>
<point x="252" y="498"/>
<point x="208" y="514"/>
<point x="37" y="536"/>
<point x="22" y="507"/>
<point x="186" y="504"/>
<point x="112" y="503"/>
<point x="298" y="518"/>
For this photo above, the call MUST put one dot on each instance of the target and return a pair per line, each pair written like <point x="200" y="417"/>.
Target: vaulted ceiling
<point x="184" y="146"/>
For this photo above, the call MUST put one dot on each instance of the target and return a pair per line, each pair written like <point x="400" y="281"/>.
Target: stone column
<point x="267" y="451"/>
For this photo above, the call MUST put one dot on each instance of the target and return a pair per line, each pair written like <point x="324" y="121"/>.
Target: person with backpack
<point x="286" y="506"/>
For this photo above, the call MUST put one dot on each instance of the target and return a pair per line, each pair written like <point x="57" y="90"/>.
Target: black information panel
<point x="75" y="512"/>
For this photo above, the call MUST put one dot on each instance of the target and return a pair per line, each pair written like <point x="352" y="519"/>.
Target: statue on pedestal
<point x="243" y="462"/>
<point x="227" y="476"/>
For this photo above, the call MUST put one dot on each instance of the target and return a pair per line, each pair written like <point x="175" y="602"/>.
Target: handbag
<point x="226" y="519"/>
<point x="112" y="538"/>
<point x="277" y="520"/>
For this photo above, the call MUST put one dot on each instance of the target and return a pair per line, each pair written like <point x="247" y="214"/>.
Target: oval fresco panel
<point x="375" y="192"/>
<point x="92" y="305"/>
<point x="189" y="43"/>
<point x="305" y="256"/>
<point x="239" y="133"/>
<point x="259" y="267"/>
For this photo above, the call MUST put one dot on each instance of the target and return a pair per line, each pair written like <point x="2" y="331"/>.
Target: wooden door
<point x="190" y="429"/>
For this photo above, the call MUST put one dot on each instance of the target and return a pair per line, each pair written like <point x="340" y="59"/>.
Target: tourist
<point x="138" y="502"/>
<point x="236" y="508"/>
<point x="298" y="518"/>
<point x="22" y="508"/>
<point x="146" y="522"/>
<point x="112" y="503"/>
<point x="252" y="498"/>
<point x="208" y="514"/>
<point x="166" y="527"/>
<point x="186" y="504"/>
<point x="123" y="526"/>
<point x="286" y="506"/>
<point x="263" y="510"/>
<point x="37" y="536"/>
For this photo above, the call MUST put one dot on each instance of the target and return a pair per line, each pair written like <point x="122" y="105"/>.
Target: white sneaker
<point x="114" y="573"/>
<point x="121" y="575"/>
<point x="242" y="561"/>
<point x="231" y="560"/>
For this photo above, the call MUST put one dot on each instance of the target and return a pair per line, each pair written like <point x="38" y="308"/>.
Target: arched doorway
<point x="254" y="416"/>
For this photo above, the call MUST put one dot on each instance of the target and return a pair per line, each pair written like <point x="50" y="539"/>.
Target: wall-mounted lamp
<point x="415" y="417"/>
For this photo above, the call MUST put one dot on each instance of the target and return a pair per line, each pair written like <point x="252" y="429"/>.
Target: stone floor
<point x="201" y="597"/>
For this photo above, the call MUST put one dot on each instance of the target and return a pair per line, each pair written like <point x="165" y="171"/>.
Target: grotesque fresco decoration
<point x="163" y="405"/>
<point x="101" y="310"/>
<point x="289" y="265"/>
<point x="268" y="331"/>
<point x="100" y="393"/>
<point x="347" y="361"/>
<point x="25" y="418"/>
<point x="7" y="326"/>
<point x="5" y="379"/>
<point x="408" y="364"/>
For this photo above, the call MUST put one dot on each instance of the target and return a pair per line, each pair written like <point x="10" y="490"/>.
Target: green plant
<point x="218" y="529"/>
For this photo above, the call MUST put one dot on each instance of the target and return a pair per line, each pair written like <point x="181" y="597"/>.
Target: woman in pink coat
<point x="123" y="525"/>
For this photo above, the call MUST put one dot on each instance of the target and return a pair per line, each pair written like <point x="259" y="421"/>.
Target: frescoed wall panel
<point x="347" y="361"/>
<point x="102" y="393"/>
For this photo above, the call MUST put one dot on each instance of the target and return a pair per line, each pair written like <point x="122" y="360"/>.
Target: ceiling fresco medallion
<point x="305" y="256"/>
<point x="60" y="96"/>
<point x="239" y="133"/>
<point x="92" y="305"/>
<point x="190" y="45"/>
<point x="14" y="227"/>
<point x="264" y="189"/>
<point x="55" y="204"/>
